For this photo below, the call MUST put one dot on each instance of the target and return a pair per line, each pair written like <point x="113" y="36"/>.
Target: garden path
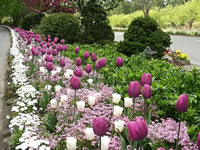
<point x="4" y="109"/>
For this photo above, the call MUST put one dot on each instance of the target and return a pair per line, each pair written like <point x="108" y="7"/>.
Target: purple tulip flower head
<point x="48" y="45"/>
<point x="62" y="41"/>
<point x="76" y="49"/>
<point x="55" y="40"/>
<point x="78" y="72"/>
<point x="43" y="51"/>
<point x="62" y="62"/>
<point x="49" y="52"/>
<point x="49" y="39"/>
<point x="78" y="61"/>
<point x="137" y="129"/>
<point x="146" y="91"/>
<point x="119" y="62"/>
<point x="49" y="58"/>
<point x="134" y="89"/>
<point x="93" y="57"/>
<point x="182" y="103"/>
<point x="54" y="52"/>
<point x="103" y="62"/>
<point x="88" y="68"/>
<point x="100" y="126"/>
<point x="161" y="148"/>
<point x="97" y="65"/>
<point x="49" y="66"/>
<point x="86" y="55"/>
<point x="75" y="83"/>
<point x="35" y="51"/>
<point x="146" y="79"/>
<point x="198" y="140"/>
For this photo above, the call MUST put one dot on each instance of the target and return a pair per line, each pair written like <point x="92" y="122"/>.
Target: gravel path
<point x="4" y="109"/>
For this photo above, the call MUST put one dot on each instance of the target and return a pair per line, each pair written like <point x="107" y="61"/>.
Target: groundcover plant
<point x="63" y="103"/>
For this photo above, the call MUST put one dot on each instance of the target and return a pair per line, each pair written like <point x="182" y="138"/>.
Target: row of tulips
<point x="76" y="119"/>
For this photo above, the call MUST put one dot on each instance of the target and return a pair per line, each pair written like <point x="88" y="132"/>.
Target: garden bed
<point x="43" y="115"/>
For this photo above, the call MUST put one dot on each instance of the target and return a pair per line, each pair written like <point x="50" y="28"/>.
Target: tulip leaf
<point x="44" y="102"/>
<point x="149" y="117"/>
<point x="51" y="121"/>
<point x="123" y="143"/>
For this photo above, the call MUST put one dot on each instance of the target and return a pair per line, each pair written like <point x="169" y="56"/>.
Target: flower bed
<point x="60" y="104"/>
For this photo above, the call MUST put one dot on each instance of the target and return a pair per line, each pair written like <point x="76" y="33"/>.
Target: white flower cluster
<point x="27" y="98"/>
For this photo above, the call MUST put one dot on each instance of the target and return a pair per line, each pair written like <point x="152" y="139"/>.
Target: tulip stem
<point x="100" y="143"/>
<point x="179" y="127"/>
<point x="74" y="105"/>
<point x="133" y="107"/>
<point x="144" y="108"/>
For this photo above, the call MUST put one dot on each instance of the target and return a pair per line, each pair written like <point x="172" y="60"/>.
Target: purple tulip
<point x="35" y="51"/>
<point x="160" y="149"/>
<point x="49" y="39"/>
<point x="43" y="51"/>
<point x="88" y="68"/>
<point x="78" y="61"/>
<point x="76" y="49"/>
<point x="49" y="52"/>
<point x="54" y="46"/>
<point x="86" y="55"/>
<point x="62" y="41"/>
<point x="119" y="62"/>
<point x="49" y="66"/>
<point x="137" y="129"/>
<point x="65" y="48"/>
<point x="182" y="103"/>
<point x="103" y="62"/>
<point x="100" y="126"/>
<point x="78" y="72"/>
<point x="97" y="65"/>
<point x="146" y="79"/>
<point x="55" y="40"/>
<point x="62" y="62"/>
<point x="54" y="52"/>
<point x="198" y="140"/>
<point x="134" y="89"/>
<point x="146" y="91"/>
<point x="75" y="83"/>
<point x="49" y="58"/>
<point x="93" y="57"/>
<point x="48" y="45"/>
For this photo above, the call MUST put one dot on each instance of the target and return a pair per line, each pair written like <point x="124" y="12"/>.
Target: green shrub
<point x="95" y="24"/>
<point x="31" y="21"/>
<point x="62" y="25"/>
<point x="143" y="32"/>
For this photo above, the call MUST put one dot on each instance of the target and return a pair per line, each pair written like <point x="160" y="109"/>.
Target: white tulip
<point x="30" y="57"/>
<point x="67" y="75"/>
<point x="116" y="98"/>
<point x="90" y="81"/>
<point x="53" y="72"/>
<point x="48" y="87"/>
<point x="53" y="103"/>
<point x="43" y="70"/>
<point x="58" y="69"/>
<point x="128" y="102"/>
<point x="118" y="111"/>
<point x="71" y="143"/>
<point x="58" y="88"/>
<point x="80" y="105"/>
<point x="119" y="125"/>
<point x="89" y="134"/>
<point x="105" y="140"/>
<point x="63" y="98"/>
<point x="40" y="61"/>
<point x="60" y="104"/>
<point x="91" y="100"/>
<point x="71" y="72"/>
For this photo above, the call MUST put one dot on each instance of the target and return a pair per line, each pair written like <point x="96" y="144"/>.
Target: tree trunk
<point x="190" y="23"/>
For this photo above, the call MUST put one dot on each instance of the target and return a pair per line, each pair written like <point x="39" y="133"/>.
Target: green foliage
<point x="31" y="21"/>
<point x="44" y="102"/>
<point x="144" y="32"/>
<point x="95" y="24"/>
<point x="14" y="140"/>
<point x="51" y="121"/>
<point x="62" y="25"/>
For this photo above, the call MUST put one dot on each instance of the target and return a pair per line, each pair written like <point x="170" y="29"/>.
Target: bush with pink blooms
<point x="65" y="103"/>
